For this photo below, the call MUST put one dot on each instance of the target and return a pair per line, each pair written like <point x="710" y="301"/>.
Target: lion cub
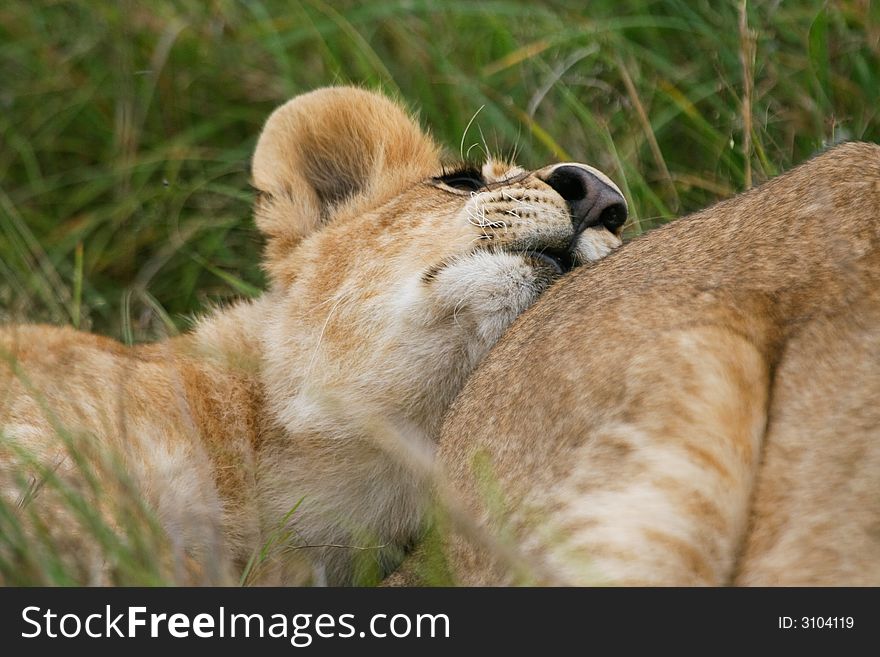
<point x="699" y="408"/>
<point x="294" y="419"/>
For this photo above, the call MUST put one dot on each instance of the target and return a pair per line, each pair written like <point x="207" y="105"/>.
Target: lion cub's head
<point x="392" y="274"/>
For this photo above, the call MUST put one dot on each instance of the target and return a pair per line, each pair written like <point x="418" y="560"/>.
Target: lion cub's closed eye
<point x="390" y="278"/>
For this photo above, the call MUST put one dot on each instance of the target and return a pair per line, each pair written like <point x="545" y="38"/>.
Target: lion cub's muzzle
<point x="593" y="200"/>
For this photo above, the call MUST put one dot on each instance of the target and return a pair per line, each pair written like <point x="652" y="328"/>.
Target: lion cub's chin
<point x="486" y="291"/>
<point x="595" y="244"/>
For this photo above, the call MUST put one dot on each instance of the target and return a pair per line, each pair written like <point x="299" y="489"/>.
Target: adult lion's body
<point x="291" y="423"/>
<point x="699" y="408"/>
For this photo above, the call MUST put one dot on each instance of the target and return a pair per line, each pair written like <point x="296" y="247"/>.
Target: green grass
<point x="126" y="127"/>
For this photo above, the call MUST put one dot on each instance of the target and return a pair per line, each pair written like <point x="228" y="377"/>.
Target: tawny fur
<point x="698" y="408"/>
<point x="387" y="288"/>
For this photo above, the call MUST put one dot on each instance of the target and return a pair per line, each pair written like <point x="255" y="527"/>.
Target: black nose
<point x="591" y="201"/>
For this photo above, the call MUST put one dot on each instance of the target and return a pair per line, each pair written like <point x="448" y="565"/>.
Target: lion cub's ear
<point x="334" y="148"/>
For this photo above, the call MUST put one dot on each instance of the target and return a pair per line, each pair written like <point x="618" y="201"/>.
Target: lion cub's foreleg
<point x="667" y="496"/>
<point x="671" y="471"/>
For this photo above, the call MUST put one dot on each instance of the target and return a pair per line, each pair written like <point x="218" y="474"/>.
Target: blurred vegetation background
<point x="126" y="127"/>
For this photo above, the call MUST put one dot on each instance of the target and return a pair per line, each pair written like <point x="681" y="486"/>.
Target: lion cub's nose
<point x="592" y="199"/>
